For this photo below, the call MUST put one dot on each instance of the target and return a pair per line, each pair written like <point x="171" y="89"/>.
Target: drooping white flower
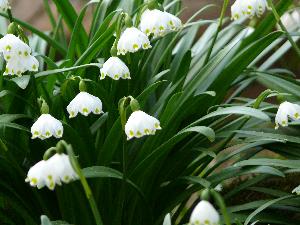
<point x="17" y="55"/>
<point x="249" y="8"/>
<point x="62" y="168"/>
<point x="4" y="5"/>
<point x="285" y="111"/>
<point x="174" y="23"/>
<point x="140" y="124"/>
<point x="167" y="220"/>
<point x="36" y="176"/>
<point x="204" y="213"/>
<point x="132" y="40"/>
<point x="84" y="103"/>
<point x="115" y="68"/>
<point x="46" y="126"/>
<point x="51" y="172"/>
<point x="159" y="23"/>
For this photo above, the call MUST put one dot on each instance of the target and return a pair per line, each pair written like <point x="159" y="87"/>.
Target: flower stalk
<point x="85" y="185"/>
<point x="223" y="11"/>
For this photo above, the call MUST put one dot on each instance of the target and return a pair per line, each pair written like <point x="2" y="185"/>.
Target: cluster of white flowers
<point x="285" y="111"/>
<point x="204" y="213"/>
<point x="17" y="55"/>
<point x="51" y="172"/>
<point x="248" y="9"/>
<point x="140" y="124"/>
<point x="4" y="5"/>
<point x="115" y="68"/>
<point x="159" y="23"/>
<point x="132" y="40"/>
<point x="84" y="103"/>
<point x="46" y="126"/>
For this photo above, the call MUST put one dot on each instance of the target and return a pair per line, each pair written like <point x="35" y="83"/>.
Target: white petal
<point x="47" y="126"/>
<point x="204" y="213"/>
<point x="140" y="124"/>
<point x="84" y="103"/>
<point x="115" y="68"/>
<point x="132" y="40"/>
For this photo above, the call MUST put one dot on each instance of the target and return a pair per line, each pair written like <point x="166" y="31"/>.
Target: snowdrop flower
<point x="285" y="111"/>
<point x="84" y="103"/>
<point x="46" y="126"/>
<point x="17" y="55"/>
<point x="35" y="175"/>
<point x="140" y="124"/>
<point x="132" y="40"/>
<point x="204" y="213"/>
<point x="249" y="8"/>
<point x="4" y="5"/>
<point x="62" y="168"/>
<point x="115" y="68"/>
<point x="51" y="172"/>
<point x="159" y="23"/>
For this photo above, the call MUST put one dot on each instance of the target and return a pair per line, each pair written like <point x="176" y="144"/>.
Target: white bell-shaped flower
<point x="249" y="8"/>
<point x="36" y="176"/>
<point x="46" y="126"/>
<point x="62" y="168"/>
<point x="285" y="111"/>
<point x="4" y="5"/>
<point x="132" y="40"/>
<point x="174" y="23"/>
<point x="115" y="68"/>
<point x="204" y="213"/>
<point x="51" y="172"/>
<point x="17" y="55"/>
<point x="159" y="23"/>
<point x="84" y="103"/>
<point x="140" y="124"/>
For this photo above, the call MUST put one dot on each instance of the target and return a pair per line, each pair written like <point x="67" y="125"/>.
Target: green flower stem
<point x="225" y="4"/>
<point x="277" y="17"/>
<point x="219" y="200"/>
<point x="85" y="185"/>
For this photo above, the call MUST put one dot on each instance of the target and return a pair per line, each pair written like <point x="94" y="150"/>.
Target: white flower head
<point x="115" y="68"/>
<point x="132" y="40"/>
<point x="35" y="175"/>
<point x="174" y="23"/>
<point x="285" y="111"/>
<point x="17" y="55"/>
<point x="62" y="168"/>
<point x="140" y="124"/>
<point x="204" y="213"/>
<point x="249" y="8"/>
<point x="4" y="5"/>
<point x="159" y="23"/>
<point x="85" y="104"/>
<point x="46" y="126"/>
<point x="51" y="172"/>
